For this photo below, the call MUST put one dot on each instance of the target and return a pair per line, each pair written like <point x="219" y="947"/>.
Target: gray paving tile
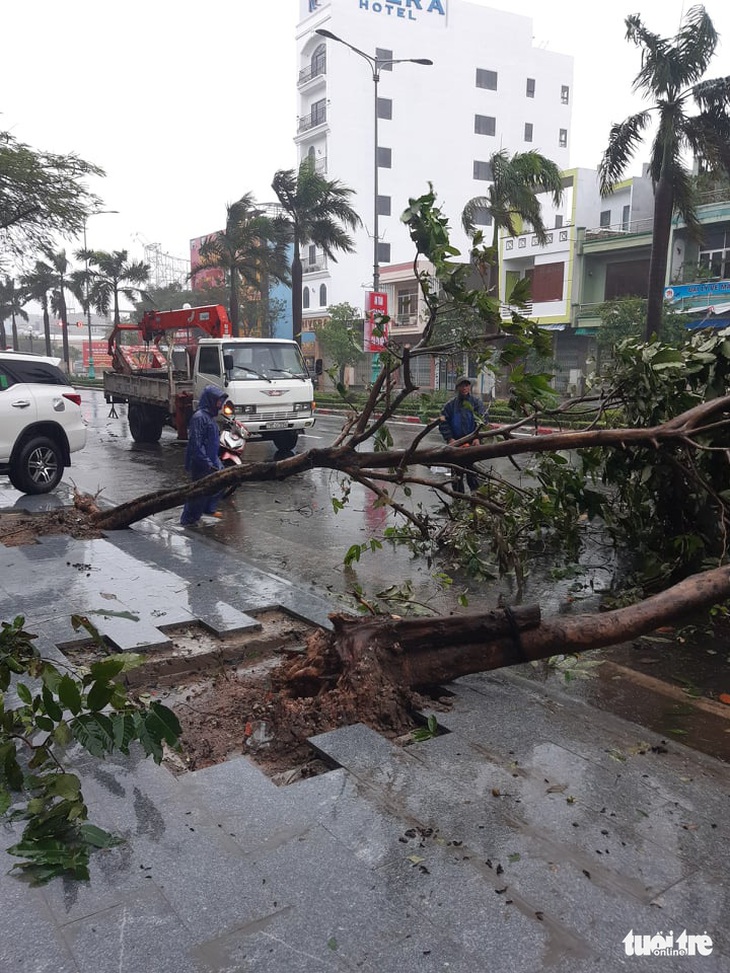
<point x="142" y="933"/>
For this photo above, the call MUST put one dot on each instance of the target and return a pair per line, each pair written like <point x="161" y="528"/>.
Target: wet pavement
<point x="537" y="832"/>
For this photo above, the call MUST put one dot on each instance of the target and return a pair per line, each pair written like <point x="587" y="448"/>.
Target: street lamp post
<point x="98" y="212"/>
<point x="376" y="65"/>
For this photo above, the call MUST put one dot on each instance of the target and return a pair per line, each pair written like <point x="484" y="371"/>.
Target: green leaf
<point x="99" y="695"/>
<point x="62" y="735"/>
<point x="52" y="708"/>
<point x="70" y="694"/>
<point x="24" y="694"/>
<point x="67" y="786"/>
<point x="114" y="664"/>
<point x="95" y="732"/>
<point x="169" y="724"/>
<point x="5" y="800"/>
<point x="97" y="837"/>
<point x="353" y="554"/>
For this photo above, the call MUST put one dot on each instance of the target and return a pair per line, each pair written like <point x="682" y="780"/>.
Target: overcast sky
<point x="187" y="106"/>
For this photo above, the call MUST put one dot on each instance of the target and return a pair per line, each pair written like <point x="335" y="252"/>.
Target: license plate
<point x="277" y="425"/>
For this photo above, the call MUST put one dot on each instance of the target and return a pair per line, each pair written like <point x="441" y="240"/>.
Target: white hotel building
<point x="488" y="89"/>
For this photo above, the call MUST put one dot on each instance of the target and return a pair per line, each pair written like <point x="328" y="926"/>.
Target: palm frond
<point x="622" y="142"/>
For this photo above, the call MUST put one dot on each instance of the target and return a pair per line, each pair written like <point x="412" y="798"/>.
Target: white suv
<point x="40" y="421"/>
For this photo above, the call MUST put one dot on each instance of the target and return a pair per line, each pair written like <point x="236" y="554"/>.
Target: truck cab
<point x="265" y="379"/>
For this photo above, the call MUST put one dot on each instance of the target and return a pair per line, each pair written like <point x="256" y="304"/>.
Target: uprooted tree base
<point x="382" y="671"/>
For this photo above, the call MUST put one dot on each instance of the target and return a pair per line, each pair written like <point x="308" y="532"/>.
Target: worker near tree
<point x="462" y="416"/>
<point x="201" y="453"/>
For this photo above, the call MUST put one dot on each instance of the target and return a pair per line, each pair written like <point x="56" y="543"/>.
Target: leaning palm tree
<point x="511" y="199"/>
<point x="671" y="73"/>
<point x="318" y="210"/>
<point x="38" y="284"/>
<point x="106" y="277"/>
<point x="12" y="300"/>
<point x="251" y="251"/>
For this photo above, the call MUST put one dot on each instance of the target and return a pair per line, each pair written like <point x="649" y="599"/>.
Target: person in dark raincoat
<point x="201" y="454"/>
<point x="460" y="417"/>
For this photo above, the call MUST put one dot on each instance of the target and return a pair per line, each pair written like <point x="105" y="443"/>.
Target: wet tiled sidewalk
<point x="535" y="833"/>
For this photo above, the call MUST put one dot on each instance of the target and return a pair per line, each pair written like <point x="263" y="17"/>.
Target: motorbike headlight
<point x="228" y="409"/>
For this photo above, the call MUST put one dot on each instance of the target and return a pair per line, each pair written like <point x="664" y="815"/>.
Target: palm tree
<point x="38" y="285"/>
<point x="251" y="250"/>
<point x="316" y="209"/>
<point x="107" y="276"/>
<point x="11" y="306"/>
<point x="512" y="198"/>
<point x="670" y="74"/>
<point x="58" y="270"/>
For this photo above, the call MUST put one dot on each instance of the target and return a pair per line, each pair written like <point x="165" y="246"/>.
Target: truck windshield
<point x="266" y="360"/>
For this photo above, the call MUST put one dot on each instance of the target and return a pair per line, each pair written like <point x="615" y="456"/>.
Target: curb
<point x="416" y="420"/>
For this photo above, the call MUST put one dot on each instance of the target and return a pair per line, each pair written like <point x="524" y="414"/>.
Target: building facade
<point x="488" y="89"/>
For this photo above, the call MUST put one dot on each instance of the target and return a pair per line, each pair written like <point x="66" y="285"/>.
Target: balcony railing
<point x="506" y="310"/>
<point x="311" y="121"/>
<point x="319" y="265"/>
<point x="307" y="74"/>
<point x="619" y="229"/>
<point x="405" y="321"/>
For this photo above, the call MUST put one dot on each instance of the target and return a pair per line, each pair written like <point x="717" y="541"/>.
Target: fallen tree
<point x="416" y="652"/>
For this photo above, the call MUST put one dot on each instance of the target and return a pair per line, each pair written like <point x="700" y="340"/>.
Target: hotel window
<point x="485" y="125"/>
<point x="486" y="79"/>
<point x="385" y="107"/>
<point x="530" y="88"/>
<point x="385" y="157"/>
<point x="558" y="221"/>
<point x="305" y="298"/>
<point x="312" y="255"/>
<point x="482" y="170"/>
<point x="605" y="218"/>
<point x="323" y="295"/>
<point x="564" y="94"/>
<point x="318" y="112"/>
<point x="563" y="138"/>
<point x="528" y="131"/>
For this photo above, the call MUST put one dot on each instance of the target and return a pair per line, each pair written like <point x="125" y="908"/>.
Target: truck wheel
<point x="285" y="441"/>
<point x="38" y="467"/>
<point x="145" y="423"/>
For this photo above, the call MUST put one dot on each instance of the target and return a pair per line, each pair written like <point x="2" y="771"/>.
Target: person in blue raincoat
<point x="201" y="454"/>
<point x="461" y="416"/>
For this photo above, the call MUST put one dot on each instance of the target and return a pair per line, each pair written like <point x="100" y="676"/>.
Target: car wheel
<point x="39" y="466"/>
<point x="145" y="424"/>
<point x="285" y="441"/>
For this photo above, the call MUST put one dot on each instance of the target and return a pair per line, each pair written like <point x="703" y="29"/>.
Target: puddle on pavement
<point x="669" y="687"/>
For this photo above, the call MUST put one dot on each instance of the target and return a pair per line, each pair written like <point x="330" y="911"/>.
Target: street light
<point x="376" y="66"/>
<point x="97" y="212"/>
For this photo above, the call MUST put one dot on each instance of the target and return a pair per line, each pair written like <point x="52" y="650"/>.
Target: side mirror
<point x="228" y="363"/>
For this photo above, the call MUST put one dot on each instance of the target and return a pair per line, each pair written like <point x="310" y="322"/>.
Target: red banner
<point x="376" y="308"/>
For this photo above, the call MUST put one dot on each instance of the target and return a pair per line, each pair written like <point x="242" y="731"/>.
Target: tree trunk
<point x="661" y="232"/>
<point x="296" y="293"/>
<point x="234" y="304"/>
<point x="416" y="653"/>
<point x="47" y="328"/>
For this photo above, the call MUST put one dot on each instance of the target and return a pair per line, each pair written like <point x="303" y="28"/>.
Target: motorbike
<point x="232" y="442"/>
